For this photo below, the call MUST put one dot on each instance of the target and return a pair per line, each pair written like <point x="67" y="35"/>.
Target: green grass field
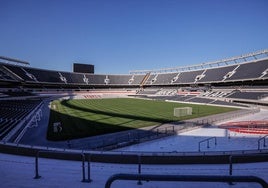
<point x="83" y="118"/>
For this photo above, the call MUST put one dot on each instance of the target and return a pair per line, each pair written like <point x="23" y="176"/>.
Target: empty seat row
<point x="248" y="95"/>
<point x="14" y="111"/>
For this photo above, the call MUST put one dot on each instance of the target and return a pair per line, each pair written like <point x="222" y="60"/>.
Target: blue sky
<point x="122" y="35"/>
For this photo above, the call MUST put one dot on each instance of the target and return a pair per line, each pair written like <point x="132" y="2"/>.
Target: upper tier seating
<point x="216" y="74"/>
<point x="163" y="79"/>
<point x="75" y="78"/>
<point x="35" y="75"/>
<point x="71" y="78"/>
<point x="244" y="71"/>
<point x="250" y="70"/>
<point x="4" y="76"/>
<point x="137" y="79"/>
<point x="188" y="77"/>
<point x="96" y="79"/>
<point x="19" y="71"/>
<point x="150" y="79"/>
<point x="119" y="79"/>
<point x="45" y="75"/>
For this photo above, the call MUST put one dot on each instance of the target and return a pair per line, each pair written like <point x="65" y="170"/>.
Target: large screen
<point x="83" y="68"/>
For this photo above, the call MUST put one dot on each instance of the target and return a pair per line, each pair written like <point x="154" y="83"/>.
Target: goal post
<point x="183" y="111"/>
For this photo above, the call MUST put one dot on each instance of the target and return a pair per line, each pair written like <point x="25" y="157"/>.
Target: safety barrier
<point x="138" y="162"/>
<point x="185" y="178"/>
<point x="122" y="139"/>
<point x="259" y="142"/>
<point x="83" y="156"/>
<point x="232" y="157"/>
<point x="206" y="140"/>
<point x="138" y="159"/>
<point x="37" y="175"/>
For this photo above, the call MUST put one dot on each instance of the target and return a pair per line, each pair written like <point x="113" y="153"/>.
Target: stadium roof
<point x="228" y="61"/>
<point x="12" y="60"/>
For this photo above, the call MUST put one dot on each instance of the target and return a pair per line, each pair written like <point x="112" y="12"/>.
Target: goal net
<point x="184" y="111"/>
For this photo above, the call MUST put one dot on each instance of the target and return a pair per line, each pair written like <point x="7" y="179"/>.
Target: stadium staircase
<point x="144" y="80"/>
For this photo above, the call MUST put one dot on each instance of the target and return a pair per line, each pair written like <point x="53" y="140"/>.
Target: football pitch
<point x="84" y="118"/>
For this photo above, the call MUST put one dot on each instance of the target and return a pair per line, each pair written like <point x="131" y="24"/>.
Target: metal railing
<point x="117" y="140"/>
<point x="259" y="142"/>
<point x="83" y="157"/>
<point x="139" y="163"/>
<point x="232" y="157"/>
<point x="186" y="178"/>
<point x="38" y="176"/>
<point x="132" y="158"/>
<point x="206" y="140"/>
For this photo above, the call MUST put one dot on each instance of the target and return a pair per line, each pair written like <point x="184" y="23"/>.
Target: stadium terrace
<point x="130" y="119"/>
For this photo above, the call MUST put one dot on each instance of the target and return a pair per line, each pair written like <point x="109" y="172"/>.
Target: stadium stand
<point x="3" y="95"/>
<point x="19" y="72"/>
<point x="148" y="92"/>
<point x="163" y="79"/>
<point x="216" y="74"/>
<point x="173" y="98"/>
<point x="255" y="69"/>
<point x="96" y="79"/>
<point x="188" y="77"/>
<point x="218" y="82"/>
<point x="137" y="79"/>
<point x="200" y="100"/>
<point x="18" y="93"/>
<point x="149" y="80"/>
<point x="224" y="103"/>
<point x="205" y="84"/>
<point x="167" y="92"/>
<point x="4" y="76"/>
<point x="46" y="75"/>
<point x="71" y="78"/>
<point x="119" y="79"/>
<point x="79" y="78"/>
<point x="14" y="111"/>
<point x="246" y="71"/>
<point x="216" y="93"/>
<point x="248" y="95"/>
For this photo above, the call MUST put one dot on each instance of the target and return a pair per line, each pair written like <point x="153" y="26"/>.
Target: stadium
<point x="203" y="124"/>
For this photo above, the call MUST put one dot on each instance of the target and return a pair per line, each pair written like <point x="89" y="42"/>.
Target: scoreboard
<point x="83" y="68"/>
